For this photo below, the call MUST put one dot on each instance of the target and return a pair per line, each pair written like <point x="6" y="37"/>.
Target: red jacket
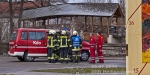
<point x="100" y="40"/>
<point x="92" y="40"/>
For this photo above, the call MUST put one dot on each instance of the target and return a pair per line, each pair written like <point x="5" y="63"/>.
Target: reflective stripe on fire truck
<point x="21" y="54"/>
<point x="29" y="47"/>
<point x="37" y="54"/>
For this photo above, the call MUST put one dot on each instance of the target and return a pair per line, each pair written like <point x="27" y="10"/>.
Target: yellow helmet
<point x="63" y="32"/>
<point x="75" y="33"/>
<point x="51" y="32"/>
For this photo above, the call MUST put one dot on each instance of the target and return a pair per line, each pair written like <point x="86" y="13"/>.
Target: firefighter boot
<point x="52" y="59"/>
<point x="61" y="60"/>
<point x="77" y="59"/>
<point x="74" y="59"/>
<point x="66" y="60"/>
<point x="49" y="59"/>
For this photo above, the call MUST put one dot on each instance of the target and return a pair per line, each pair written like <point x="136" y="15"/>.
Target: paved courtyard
<point x="11" y="65"/>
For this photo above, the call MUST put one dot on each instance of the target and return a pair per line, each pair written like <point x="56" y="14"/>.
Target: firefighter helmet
<point x="75" y="33"/>
<point x="51" y="31"/>
<point x="54" y="32"/>
<point x="63" y="32"/>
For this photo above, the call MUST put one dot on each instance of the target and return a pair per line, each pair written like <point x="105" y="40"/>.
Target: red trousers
<point x="100" y="54"/>
<point x="92" y="54"/>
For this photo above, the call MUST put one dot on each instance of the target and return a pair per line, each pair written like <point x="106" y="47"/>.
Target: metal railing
<point x="116" y="31"/>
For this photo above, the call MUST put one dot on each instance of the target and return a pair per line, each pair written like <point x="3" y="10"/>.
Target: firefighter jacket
<point x="52" y="41"/>
<point x="100" y="40"/>
<point x="63" y="41"/>
<point x="76" y="43"/>
<point x="92" y="41"/>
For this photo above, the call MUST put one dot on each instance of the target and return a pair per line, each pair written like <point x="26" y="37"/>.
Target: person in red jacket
<point x="92" y="47"/>
<point x="99" y="47"/>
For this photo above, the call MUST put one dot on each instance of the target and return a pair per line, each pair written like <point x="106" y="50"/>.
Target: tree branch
<point x="42" y="3"/>
<point x="34" y="4"/>
<point x="20" y="15"/>
<point x="11" y="16"/>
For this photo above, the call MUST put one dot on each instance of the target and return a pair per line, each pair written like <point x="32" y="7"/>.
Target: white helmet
<point x="51" y="32"/>
<point x="75" y="33"/>
<point x="54" y="32"/>
<point x="63" y="32"/>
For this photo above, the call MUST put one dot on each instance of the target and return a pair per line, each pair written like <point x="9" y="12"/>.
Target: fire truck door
<point x="32" y="43"/>
<point x="41" y="36"/>
<point x="22" y="42"/>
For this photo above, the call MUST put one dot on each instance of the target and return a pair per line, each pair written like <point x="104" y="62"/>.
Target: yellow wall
<point x="134" y="40"/>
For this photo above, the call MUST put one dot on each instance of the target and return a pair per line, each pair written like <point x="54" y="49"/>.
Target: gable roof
<point x="75" y="9"/>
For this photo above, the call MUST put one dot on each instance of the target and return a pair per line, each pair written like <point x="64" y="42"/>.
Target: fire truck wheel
<point x="28" y="59"/>
<point x="84" y="56"/>
<point x="20" y="58"/>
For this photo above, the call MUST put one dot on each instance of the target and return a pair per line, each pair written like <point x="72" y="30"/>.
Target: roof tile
<point x="81" y="9"/>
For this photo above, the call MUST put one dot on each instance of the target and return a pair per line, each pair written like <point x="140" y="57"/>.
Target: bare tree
<point x="11" y="16"/>
<point x="20" y="15"/>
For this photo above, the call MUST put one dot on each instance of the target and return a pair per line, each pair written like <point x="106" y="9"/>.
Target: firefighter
<point x="51" y="45"/>
<point x="92" y="48"/>
<point x="99" y="47"/>
<point x="56" y="44"/>
<point x="76" y="45"/>
<point x="63" y="46"/>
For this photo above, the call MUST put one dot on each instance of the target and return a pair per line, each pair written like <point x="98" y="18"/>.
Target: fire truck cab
<point x="27" y="44"/>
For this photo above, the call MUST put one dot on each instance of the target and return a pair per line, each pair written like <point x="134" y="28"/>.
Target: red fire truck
<point x="27" y="44"/>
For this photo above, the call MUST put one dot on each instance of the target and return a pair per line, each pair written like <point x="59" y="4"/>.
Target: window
<point x="24" y="35"/>
<point x="36" y="35"/>
<point x="13" y="35"/>
<point x="40" y="35"/>
<point x="32" y="35"/>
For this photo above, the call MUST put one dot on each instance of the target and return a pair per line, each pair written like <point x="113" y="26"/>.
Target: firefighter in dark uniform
<point x="56" y="48"/>
<point x="76" y="45"/>
<point x="63" y="46"/>
<point x="51" y="46"/>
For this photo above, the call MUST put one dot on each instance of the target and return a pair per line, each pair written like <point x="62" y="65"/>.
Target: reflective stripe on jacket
<point x="76" y="43"/>
<point x="63" y="41"/>
<point x="52" y="41"/>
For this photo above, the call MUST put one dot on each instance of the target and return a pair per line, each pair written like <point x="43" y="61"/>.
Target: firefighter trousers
<point x="50" y="55"/>
<point x="64" y="55"/>
<point x="76" y="56"/>
<point x="100" y="54"/>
